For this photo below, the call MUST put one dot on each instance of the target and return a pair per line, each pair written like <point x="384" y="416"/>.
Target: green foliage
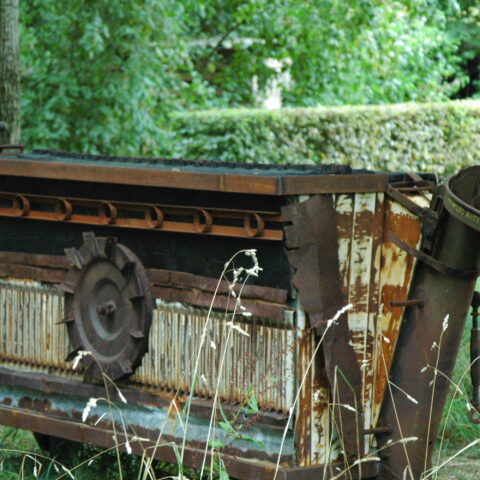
<point x="459" y="431"/>
<point x="92" y="72"/>
<point x="341" y="52"/>
<point x="457" y="428"/>
<point x="438" y="137"/>
<point x="463" y="23"/>
<point x="104" y="76"/>
<point x="371" y="52"/>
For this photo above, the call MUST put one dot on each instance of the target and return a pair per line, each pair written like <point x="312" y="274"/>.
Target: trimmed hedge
<point x="437" y="137"/>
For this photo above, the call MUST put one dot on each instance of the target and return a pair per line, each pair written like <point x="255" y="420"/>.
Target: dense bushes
<point x="437" y="137"/>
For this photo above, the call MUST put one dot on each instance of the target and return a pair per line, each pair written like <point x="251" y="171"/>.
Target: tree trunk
<point x="9" y="70"/>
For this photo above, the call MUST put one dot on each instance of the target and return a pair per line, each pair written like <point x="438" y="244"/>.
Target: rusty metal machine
<point x="120" y="257"/>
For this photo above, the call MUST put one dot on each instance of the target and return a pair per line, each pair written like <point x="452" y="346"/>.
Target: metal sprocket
<point x="108" y="306"/>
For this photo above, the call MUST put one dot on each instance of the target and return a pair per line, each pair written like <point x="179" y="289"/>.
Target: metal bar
<point x="433" y="262"/>
<point x="41" y="274"/>
<point x="313" y="184"/>
<point x="250" y="184"/>
<point x="241" y="469"/>
<point x="140" y="207"/>
<point x="158" y="277"/>
<point x="202" y="221"/>
<point x="35" y="260"/>
<point x="414" y="302"/>
<point x="199" y="298"/>
<point x="135" y="394"/>
<point x="207" y="284"/>
<point x="233" y="183"/>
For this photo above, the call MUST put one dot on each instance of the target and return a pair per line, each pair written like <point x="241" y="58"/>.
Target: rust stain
<point x="303" y="424"/>
<point x="344" y="210"/>
<point x="374" y="303"/>
<point x="396" y="272"/>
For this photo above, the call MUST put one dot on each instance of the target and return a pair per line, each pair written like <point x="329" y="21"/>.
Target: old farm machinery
<point x="120" y="257"/>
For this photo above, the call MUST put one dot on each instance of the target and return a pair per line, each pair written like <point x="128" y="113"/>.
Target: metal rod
<point x="414" y="302"/>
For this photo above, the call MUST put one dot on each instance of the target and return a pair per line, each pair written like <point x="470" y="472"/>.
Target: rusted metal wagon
<point x="120" y="257"/>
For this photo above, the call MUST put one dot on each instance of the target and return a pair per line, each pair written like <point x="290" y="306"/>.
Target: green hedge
<point x="438" y="137"/>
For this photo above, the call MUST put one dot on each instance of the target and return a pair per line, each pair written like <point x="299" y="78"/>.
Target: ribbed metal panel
<point x="262" y="358"/>
<point x="29" y="330"/>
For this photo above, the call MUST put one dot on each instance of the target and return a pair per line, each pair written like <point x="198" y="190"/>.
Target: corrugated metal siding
<point x="29" y="312"/>
<point x="30" y="334"/>
<point x="263" y="359"/>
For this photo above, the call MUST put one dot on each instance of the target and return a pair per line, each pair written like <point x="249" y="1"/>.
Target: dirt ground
<point x="462" y="469"/>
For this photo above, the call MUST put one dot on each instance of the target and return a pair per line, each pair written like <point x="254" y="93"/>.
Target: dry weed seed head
<point x="445" y="322"/>
<point x="92" y="403"/>
<point x="81" y="354"/>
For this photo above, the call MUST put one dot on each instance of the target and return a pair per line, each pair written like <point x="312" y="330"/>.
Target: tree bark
<point x="10" y="69"/>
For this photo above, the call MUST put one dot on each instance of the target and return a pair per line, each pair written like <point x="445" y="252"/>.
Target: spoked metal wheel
<point x="108" y="306"/>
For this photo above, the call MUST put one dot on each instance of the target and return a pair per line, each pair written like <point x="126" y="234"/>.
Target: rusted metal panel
<point x="374" y="275"/>
<point x="361" y="282"/>
<point x="396" y="274"/>
<point x="262" y="357"/>
<point x="312" y="239"/>
<point x="430" y="336"/>
<point x="138" y="176"/>
<point x="365" y="266"/>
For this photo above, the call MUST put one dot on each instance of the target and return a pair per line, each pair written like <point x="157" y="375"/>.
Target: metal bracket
<point x="433" y="262"/>
<point x="11" y="149"/>
<point x="429" y="216"/>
